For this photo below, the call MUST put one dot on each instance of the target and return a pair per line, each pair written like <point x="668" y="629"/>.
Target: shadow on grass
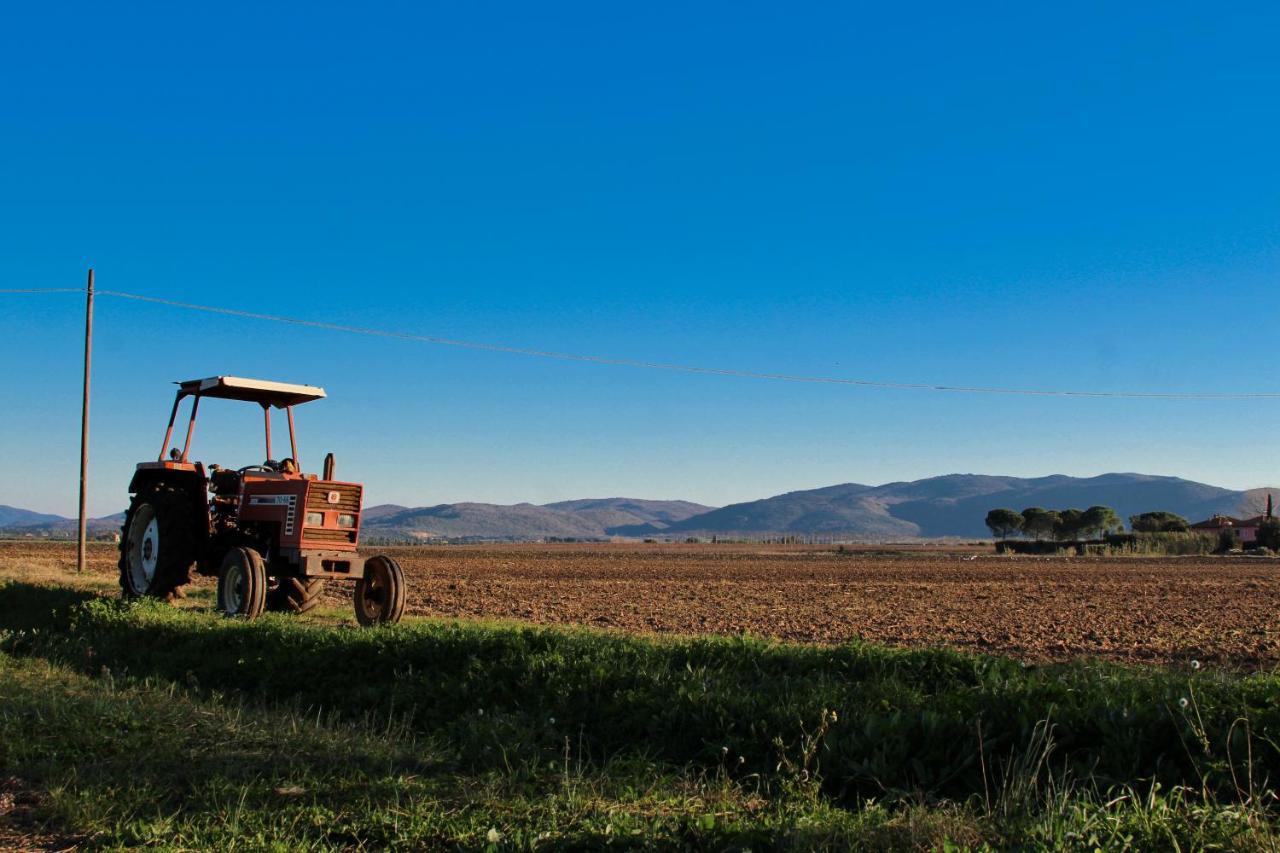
<point x="200" y="772"/>
<point x="29" y="607"/>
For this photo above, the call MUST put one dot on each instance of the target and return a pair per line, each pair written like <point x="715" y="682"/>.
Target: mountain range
<point x="581" y="519"/>
<point x="24" y="521"/>
<point x="949" y="506"/>
<point x="957" y="504"/>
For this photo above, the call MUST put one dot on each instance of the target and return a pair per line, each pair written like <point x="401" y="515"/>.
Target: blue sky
<point x="1013" y="195"/>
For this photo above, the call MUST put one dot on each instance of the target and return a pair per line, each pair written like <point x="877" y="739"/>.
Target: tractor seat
<point x="224" y="481"/>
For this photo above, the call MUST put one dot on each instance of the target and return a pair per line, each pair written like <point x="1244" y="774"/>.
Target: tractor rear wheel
<point x="295" y="594"/>
<point x="242" y="583"/>
<point x="379" y="597"/>
<point x="157" y="543"/>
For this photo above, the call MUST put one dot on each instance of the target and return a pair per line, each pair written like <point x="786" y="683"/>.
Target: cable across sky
<point x="656" y="365"/>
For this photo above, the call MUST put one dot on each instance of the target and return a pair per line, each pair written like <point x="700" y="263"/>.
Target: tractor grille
<point x="318" y="497"/>
<point x="320" y="534"/>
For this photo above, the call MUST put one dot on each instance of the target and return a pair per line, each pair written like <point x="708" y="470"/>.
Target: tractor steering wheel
<point x="248" y="468"/>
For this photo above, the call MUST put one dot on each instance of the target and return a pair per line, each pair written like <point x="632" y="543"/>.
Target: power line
<point x="43" y="290"/>
<point x="655" y="365"/>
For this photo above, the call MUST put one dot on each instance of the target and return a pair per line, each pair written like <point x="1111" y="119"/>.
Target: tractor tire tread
<point x="295" y="594"/>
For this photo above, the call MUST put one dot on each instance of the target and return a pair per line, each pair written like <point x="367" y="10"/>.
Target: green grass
<point x="146" y="763"/>
<point x="145" y="724"/>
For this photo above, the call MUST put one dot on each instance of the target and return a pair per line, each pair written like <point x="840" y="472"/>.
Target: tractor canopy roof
<point x="261" y="391"/>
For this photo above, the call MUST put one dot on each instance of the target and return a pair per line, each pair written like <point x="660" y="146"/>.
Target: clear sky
<point x="1016" y="195"/>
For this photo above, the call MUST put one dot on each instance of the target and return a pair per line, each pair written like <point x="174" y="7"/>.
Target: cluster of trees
<point x="1071" y="524"/>
<point x="1159" y="522"/>
<point x="1040" y="523"/>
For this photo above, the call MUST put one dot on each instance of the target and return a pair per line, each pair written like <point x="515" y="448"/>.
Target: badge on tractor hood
<point x="271" y="500"/>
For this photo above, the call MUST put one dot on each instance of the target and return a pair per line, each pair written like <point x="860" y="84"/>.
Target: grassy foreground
<point x="148" y="725"/>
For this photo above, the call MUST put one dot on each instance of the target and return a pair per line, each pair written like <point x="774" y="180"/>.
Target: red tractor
<point x="270" y="533"/>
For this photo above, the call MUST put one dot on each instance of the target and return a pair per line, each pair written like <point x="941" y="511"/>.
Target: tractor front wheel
<point x="379" y="597"/>
<point x="242" y="584"/>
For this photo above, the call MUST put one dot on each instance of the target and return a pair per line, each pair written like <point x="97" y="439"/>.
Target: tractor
<point x="270" y="533"/>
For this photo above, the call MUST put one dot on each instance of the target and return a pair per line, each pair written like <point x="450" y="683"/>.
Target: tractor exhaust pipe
<point x="328" y="466"/>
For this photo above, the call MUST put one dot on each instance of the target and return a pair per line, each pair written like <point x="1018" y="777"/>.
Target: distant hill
<point x="612" y="514"/>
<point x="11" y="516"/>
<point x="373" y="513"/>
<point x="592" y="518"/>
<point x="21" y="522"/>
<point x="954" y="505"/>
<point x="833" y="508"/>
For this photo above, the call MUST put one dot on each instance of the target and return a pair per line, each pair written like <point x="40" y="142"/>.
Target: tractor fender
<point x="190" y="482"/>
<point x="148" y="477"/>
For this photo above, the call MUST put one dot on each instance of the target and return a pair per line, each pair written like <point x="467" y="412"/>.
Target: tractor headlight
<point x="315" y="519"/>
<point x="346" y="519"/>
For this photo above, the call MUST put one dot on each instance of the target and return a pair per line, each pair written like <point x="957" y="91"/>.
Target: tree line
<point x="1071" y="524"/>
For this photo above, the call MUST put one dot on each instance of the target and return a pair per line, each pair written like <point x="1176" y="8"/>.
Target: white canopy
<point x="261" y="391"/>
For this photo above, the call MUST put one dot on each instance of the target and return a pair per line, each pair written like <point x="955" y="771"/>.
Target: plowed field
<point x="1219" y="610"/>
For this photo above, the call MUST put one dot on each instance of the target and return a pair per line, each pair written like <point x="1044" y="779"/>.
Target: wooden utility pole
<point x="84" y="420"/>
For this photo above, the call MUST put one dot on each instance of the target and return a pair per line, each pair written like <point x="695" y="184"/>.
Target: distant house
<point x="1251" y="526"/>
<point x="1246" y="529"/>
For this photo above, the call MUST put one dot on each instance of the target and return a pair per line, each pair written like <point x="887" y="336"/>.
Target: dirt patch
<point x="20" y="828"/>
<point x="1131" y="609"/>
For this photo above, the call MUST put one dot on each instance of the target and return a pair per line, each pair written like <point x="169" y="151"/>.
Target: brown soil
<point x="1208" y="609"/>
<point x="20" y="831"/>
<point x="1219" y="610"/>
